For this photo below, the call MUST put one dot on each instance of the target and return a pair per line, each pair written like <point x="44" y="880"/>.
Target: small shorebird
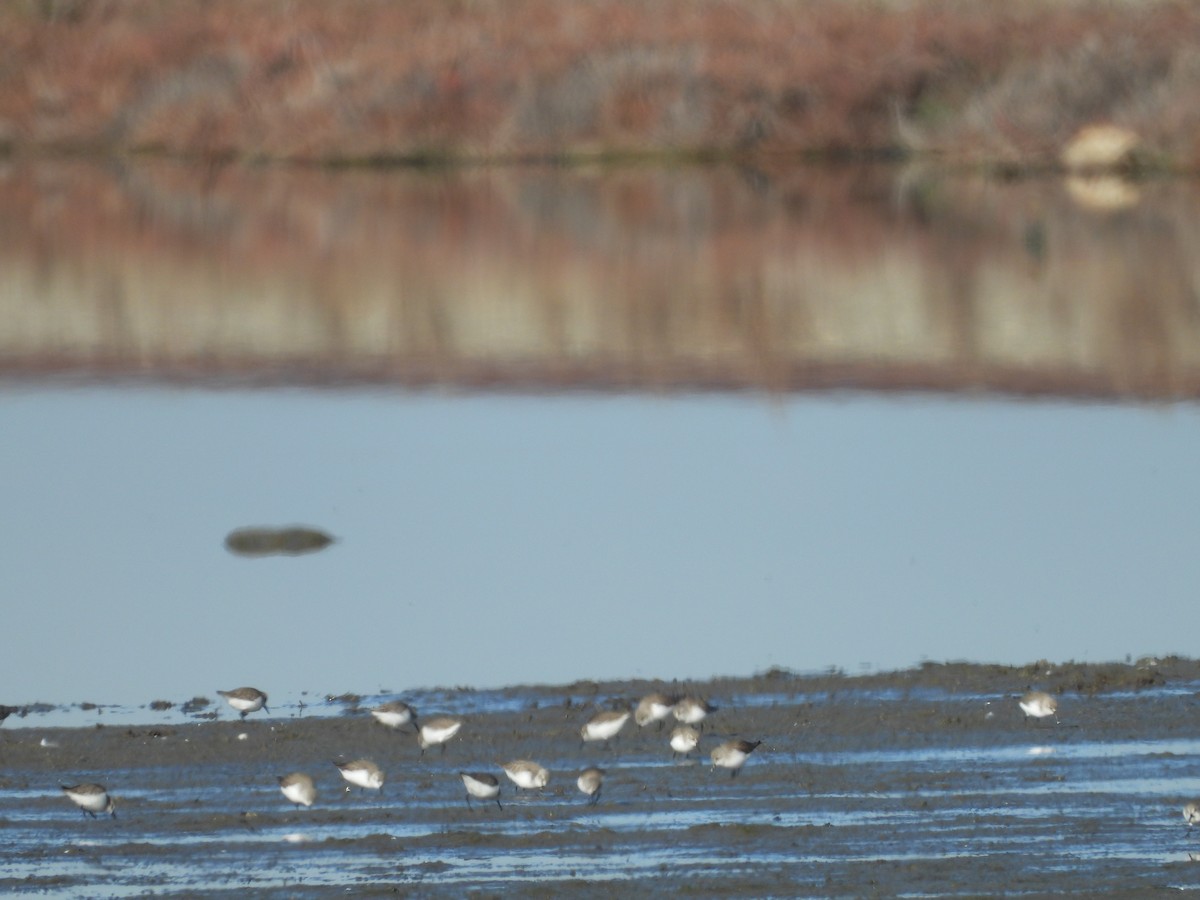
<point x="91" y="798"/>
<point x="394" y="714"/>
<point x="361" y="772"/>
<point x="245" y="699"/>
<point x="732" y="755"/>
<point x="604" y="726"/>
<point x="526" y="774"/>
<point x="692" y="710"/>
<point x="1191" y="813"/>
<point x="653" y="708"/>
<point x="684" y="740"/>
<point x="481" y="785"/>
<point x="437" y="731"/>
<point x="298" y="788"/>
<point x="1039" y="704"/>
<point x="590" y="781"/>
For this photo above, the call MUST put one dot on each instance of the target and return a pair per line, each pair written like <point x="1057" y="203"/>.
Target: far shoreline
<point x="952" y="678"/>
<point x="1004" y="88"/>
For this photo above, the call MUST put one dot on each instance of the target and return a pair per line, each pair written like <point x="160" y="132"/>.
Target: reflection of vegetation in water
<point x="276" y="541"/>
<point x="811" y="277"/>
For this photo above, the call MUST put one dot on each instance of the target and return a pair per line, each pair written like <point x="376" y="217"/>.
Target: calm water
<point x="585" y="424"/>
<point x="495" y="540"/>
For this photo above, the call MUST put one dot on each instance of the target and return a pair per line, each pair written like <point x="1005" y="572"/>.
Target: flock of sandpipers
<point x="689" y="712"/>
<point x="300" y="788"/>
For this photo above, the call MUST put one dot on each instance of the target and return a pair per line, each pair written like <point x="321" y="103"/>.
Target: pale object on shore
<point x="1100" y="147"/>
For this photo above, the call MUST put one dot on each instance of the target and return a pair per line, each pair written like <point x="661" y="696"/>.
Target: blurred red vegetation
<point x="997" y="83"/>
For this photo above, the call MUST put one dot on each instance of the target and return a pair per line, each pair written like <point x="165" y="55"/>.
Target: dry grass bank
<point x="996" y="84"/>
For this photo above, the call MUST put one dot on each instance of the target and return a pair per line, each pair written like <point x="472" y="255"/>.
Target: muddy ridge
<point x="927" y="780"/>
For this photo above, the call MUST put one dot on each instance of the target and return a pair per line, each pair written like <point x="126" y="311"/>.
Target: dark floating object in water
<point x="276" y="541"/>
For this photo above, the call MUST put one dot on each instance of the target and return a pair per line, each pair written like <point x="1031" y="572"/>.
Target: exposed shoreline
<point x="923" y="781"/>
<point x="980" y="679"/>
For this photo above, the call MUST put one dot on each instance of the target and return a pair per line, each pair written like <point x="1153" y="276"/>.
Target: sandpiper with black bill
<point x="437" y="731"/>
<point x="590" y="781"/>
<point x="684" y="739"/>
<point x="91" y="798"/>
<point x="604" y="726"/>
<point x="245" y="700"/>
<point x="394" y="714"/>
<point x="692" y="710"/>
<point x="732" y="755"/>
<point x="481" y="785"/>
<point x="1191" y="813"/>
<point x="299" y="788"/>
<point x="1038" y="705"/>
<point x="362" y="773"/>
<point x="527" y="774"/>
<point x="653" y="708"/>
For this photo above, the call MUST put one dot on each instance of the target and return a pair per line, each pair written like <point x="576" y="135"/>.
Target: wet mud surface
<point x="926" y="782"/>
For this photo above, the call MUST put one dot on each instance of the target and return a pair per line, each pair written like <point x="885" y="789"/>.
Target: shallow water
<point x="937" y="794"/>
<point x="586" y="422"/>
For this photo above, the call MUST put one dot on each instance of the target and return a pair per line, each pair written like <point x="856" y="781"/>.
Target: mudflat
<point x="927" y="781"/>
